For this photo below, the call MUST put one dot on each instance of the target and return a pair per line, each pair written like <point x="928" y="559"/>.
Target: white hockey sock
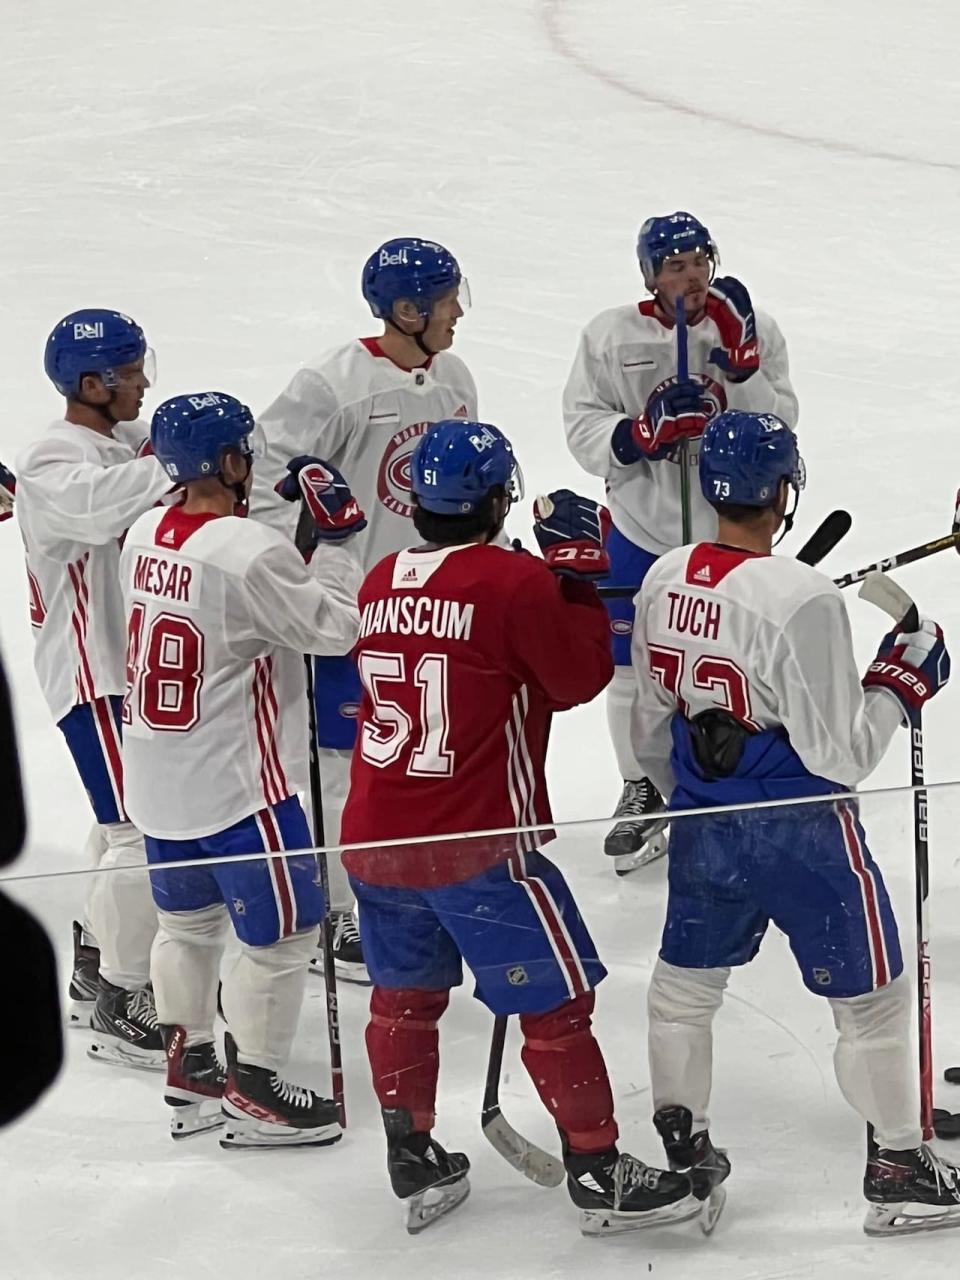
<point x="621" y="696"/>
<point x="120" y="909"/>
<point x="262" y="995"/>
<point x="875" y="1062"/>
<point x="334" y="786"/>
<point x="93" y="850"/>
<point x="681" y="1005"/>
<point x="185" y="965"/>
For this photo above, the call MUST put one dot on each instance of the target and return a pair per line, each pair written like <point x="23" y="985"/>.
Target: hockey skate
<point x="617" y="1193"/>
<point x="125" y="1029"/>
<point x="260" y="1109"/>
<point x="429" y="1180"/>
<point x="694" y="1154"/>
<point x="85" y="980"/>
<point x="347" y="950"/>
<point x="638" y="839"/>
<point x="909" y="1191"/>
<point x="195" y="1084"/>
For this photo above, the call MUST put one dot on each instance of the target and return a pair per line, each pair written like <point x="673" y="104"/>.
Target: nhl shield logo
<point x="517" y="976"/>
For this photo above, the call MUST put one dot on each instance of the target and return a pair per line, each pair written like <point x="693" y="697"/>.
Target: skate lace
<point x="346" y="930"/>
<point x="141" y="1008"/>
<point x="294" y="1095"/>
<point x="630" y="1172"/>
<point x="945" y="1175"/>
<point x="638" y="800"/>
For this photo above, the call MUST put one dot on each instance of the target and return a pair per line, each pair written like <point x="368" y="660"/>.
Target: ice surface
<point x="220" y="171"/>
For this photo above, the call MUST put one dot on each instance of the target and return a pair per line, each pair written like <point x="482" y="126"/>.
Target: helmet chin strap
<point x="417" y="337"/>
<point x="788" y="517"/>
<point x="239" y="490"/>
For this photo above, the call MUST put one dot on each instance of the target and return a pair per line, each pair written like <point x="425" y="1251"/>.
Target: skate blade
<point x="425" y="1208"/>
<point x="344" y="971"/>
<point x="651" y="851"/>
<point x="610" y="1222"/>
<point x="712" y="1208"/>
<point x="253" y="1133"/>
<point x="196" y="1117"/>
<point x="117" y="1054"/>
<point x="909" y="1218"/>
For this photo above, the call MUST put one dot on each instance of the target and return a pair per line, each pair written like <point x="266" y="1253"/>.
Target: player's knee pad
<point x="122" y="846"/>
<point x="204" y="928"/>
<point x="685" y="995"/>
<point x="556" y="1027"/>
<point x="414" y="1009"/>
<point x="287" y="953"/>
<point x="881" y="1015"/>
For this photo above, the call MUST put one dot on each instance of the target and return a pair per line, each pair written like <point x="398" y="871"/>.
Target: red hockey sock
<point x="403" y="1048"/>
<point x="570" y="1075"/>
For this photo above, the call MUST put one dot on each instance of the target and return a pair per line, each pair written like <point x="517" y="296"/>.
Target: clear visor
<point x="514" y="486"/>
<point x="463" y="294"/>
<point x="145" y="369"/>
<point x="799" y="477"/>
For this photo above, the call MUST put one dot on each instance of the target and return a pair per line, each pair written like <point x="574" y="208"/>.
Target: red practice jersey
<point x="464" y="652"/>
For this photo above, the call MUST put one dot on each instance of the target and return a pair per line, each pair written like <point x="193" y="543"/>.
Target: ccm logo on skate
<point x="252" y="1109"/>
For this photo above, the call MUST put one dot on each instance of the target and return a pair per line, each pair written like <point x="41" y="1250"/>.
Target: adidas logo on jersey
<point x="168" y="537"/>
<point x="703" y="575"/>
<point x="410" y="575"/>
<point x="461" y="412"/>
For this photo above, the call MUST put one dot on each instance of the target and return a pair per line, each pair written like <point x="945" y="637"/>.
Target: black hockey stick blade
<point x="952" y="1075"/>
<point x="946" y="1124"/>
<point x="527" y="1158"/>
<point x="822" y="541"/>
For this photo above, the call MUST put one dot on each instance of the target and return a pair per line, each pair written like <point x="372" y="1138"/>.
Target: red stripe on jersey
<point x="110" y="743"/>
<point x="272" y="791"/>
<point x="868" y="889"/>
<point x="273" y="712"/>
<point x="78" y="621"/>
<point x="279" y="873"/>
<point x="552" y="921"/>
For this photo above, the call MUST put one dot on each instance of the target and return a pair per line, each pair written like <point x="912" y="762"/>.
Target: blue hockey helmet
<point x="94" y="341"/>
<point x="411" y="270"/>
<point x="190" y="433"/>
<point x="744" y="456"/>
<point x="661" y="238"/>
<point x="457" y="463"/>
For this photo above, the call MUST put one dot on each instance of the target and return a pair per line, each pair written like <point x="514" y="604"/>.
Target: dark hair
<point x="447" y="531"/>
<point x="738" y="514"/>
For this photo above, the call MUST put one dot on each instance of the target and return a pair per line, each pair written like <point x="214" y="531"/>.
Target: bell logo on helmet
<point x="483" y="440"/>
<point x="388" y="259"/>
<point x="210" y="401"/>
<point x="84" y="330"/>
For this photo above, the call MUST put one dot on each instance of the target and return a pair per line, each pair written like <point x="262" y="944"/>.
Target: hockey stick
<point x="820" y="543"/>
<point x="527" y="1158"/>
<point x="683" y="375"/>
<point x="902" y="558"/>
<point x="889" y="596"/>
<point x="326" y="932"/>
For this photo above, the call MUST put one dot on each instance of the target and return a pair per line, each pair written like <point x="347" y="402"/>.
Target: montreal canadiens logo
<point x="349" y="710"/>
<point x="621" y="627"/>
<point x="393" y="480"/>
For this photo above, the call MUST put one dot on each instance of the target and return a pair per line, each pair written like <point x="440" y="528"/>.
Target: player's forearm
<point x="90" y="504"/>
<point x="590" y="436"/>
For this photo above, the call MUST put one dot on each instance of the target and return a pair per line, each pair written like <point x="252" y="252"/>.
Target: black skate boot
<point x="85" y="981"/>
<point x="347" y="950"/>
<point x="195" y="1083"/>
<point x="263" y="1110"/>
<point x="695" y="1154"/>
<point x="125" y="1028"/>
<point x="638" y="839"/>
<point x="909" y="1191"/>
<point x="428" y="1179"/>
<point x="617" y="1193"/>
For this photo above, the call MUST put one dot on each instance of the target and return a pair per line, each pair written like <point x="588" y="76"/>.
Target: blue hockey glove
<point x="326" y="495"/>
<point x="572" y="532"/>
<point x="913" y="666"/>
<point x="730" y="308"/>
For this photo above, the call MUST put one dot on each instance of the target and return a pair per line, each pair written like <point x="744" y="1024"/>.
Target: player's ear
<point x="406" y="312"/>
<point x="92" y="389"/>
<point x="233" y="467"/>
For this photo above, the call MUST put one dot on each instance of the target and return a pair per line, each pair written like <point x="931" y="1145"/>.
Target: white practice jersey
<point x="766" y="638"/>
<point x="77" y="493"/>
<point x="358" y="410"/>
<point x="219" y="612"/>
<point x="625" y="354"/>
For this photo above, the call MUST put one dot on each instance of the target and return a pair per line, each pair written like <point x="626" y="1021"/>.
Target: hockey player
<point x="79" y="486"/>
<point x="219" y="612"/>
<point x="745" y="669"/>
<point x="626" y="411"/>
<point x="465" y="650"/>
<point x="8" y="489"/>
<point x="363" y="406"/>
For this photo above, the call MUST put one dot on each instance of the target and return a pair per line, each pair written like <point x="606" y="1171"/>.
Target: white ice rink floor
<point x="220" y="171"/>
